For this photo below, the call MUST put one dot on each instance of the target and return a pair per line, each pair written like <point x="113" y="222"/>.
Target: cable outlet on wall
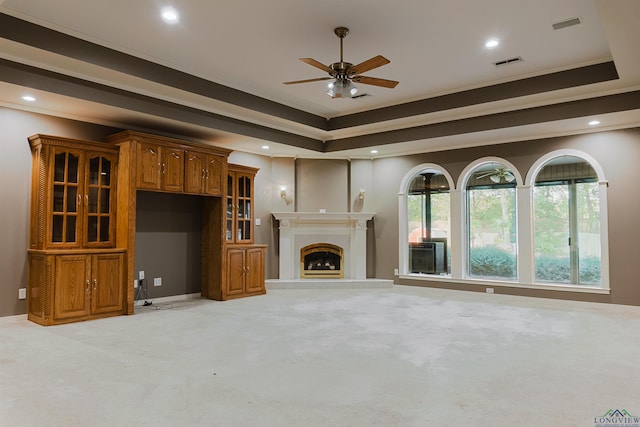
<point x="141" y="275"/>
<point x="22" y="293"/>
<point x="157" y="281"/>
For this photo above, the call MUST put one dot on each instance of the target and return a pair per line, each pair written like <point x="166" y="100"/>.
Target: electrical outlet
<point x="258" y="221"/>
<point x="141" y="274"/>
<point x="135" y="283"/>
<point x="489" y="290"/>
<point x="157" y="281"/>
<point x="22" y="293"/>
<point x="395" y="271"/>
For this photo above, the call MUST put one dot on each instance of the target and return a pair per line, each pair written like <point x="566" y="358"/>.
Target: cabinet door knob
<point x="88" y="284"/>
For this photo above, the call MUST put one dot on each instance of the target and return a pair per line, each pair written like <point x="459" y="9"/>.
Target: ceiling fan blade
<point x="369" y="64"/>
<point x="307" y="80"/>
<point x="318" y="64"/>
<point x="486" y="174"/>
<point x="375" y="81"/>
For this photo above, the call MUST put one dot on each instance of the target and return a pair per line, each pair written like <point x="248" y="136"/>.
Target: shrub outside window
<point x="491" y="223"/>
<point x="567" y="223"/>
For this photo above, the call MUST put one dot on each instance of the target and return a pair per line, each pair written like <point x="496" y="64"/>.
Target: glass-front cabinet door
<point x="230" y="209"/>
<point x="244" y="209"/>
<point x="99" y="200"/>
<point x="66" y="198"/>
<point x="239" y="208"/>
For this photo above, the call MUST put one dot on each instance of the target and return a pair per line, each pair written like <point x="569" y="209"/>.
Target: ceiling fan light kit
<point x="341" y="89"/>
<point x="343" y="74"/>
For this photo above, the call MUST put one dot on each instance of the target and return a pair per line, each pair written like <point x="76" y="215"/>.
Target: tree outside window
<point x="491" y="222"/>
<point x="567" y="223"/>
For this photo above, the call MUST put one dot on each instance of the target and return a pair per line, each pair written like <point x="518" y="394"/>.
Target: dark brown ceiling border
<point x="554" y="81"/>
<point x="547" y="113"/>
<point x="37" y="78"/>
<point x="40" y="37"/>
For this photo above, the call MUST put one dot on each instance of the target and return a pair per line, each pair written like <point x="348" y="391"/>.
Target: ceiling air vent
<point x="508" y="61"/>
<point x="566" y="23"/>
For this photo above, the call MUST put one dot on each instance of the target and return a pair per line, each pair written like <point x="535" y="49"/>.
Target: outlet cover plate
<point x="157" y="281"/>
<point x="22" y="293"/>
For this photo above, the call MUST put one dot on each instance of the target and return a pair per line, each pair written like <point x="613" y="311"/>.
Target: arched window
<point x="567" y="222"/>
<point x="491" y="226"/>
<point x="428" y="237"/>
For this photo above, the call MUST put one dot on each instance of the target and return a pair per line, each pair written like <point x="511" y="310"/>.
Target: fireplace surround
<point x="347" y="230"/>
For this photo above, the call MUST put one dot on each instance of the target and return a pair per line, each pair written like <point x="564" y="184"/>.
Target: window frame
<point x="532" y="175"/>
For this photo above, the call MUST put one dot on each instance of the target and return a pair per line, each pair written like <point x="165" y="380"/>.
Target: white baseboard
<point x="171" y="298"/>
<point x="11" y="319"/>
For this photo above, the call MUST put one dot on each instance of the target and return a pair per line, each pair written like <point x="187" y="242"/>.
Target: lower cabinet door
<point x="107" y="294"/>
<point x="235" y="272"/>
<point x="254" y="270"/>
<point x="71" y="296"/>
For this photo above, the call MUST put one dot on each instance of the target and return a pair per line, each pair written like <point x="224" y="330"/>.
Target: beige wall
<point x="15" y="187"/>
<point x="333" y="185"/>
<point x="322" y="184"/>
<point x="618" y="152"/>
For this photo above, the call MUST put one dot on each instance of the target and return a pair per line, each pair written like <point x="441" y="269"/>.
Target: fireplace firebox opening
<point x="321" y="260"/>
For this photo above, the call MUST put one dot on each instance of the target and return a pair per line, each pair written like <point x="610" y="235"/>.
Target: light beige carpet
<point x="359" y="357"/>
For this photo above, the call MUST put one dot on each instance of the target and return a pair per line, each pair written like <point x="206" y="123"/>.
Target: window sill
<point x="507" y="284"/>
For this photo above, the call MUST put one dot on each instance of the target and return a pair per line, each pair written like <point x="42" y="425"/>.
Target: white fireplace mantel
<point x="345" y="229"/>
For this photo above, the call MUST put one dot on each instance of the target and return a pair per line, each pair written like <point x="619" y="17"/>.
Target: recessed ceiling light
<point x="169" y="15"/>
<point x="491" y="43"/>
<point x="265" y="147"/>
<point x="29" y="98"/>
<point x="594" y="122"/>
<point x="374" y="151"/>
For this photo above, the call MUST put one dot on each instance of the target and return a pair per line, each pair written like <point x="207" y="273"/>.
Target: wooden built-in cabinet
<point x="70" y="286"/>
<point x="144" y="161"/>
<point x="72" y="232"/>
<point x="82" y="249"/>
<point x="241" y="271"/>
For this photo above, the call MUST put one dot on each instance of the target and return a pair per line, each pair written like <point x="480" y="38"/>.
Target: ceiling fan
<point x="497" y="175"/>
<point x="344" y="73"/>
